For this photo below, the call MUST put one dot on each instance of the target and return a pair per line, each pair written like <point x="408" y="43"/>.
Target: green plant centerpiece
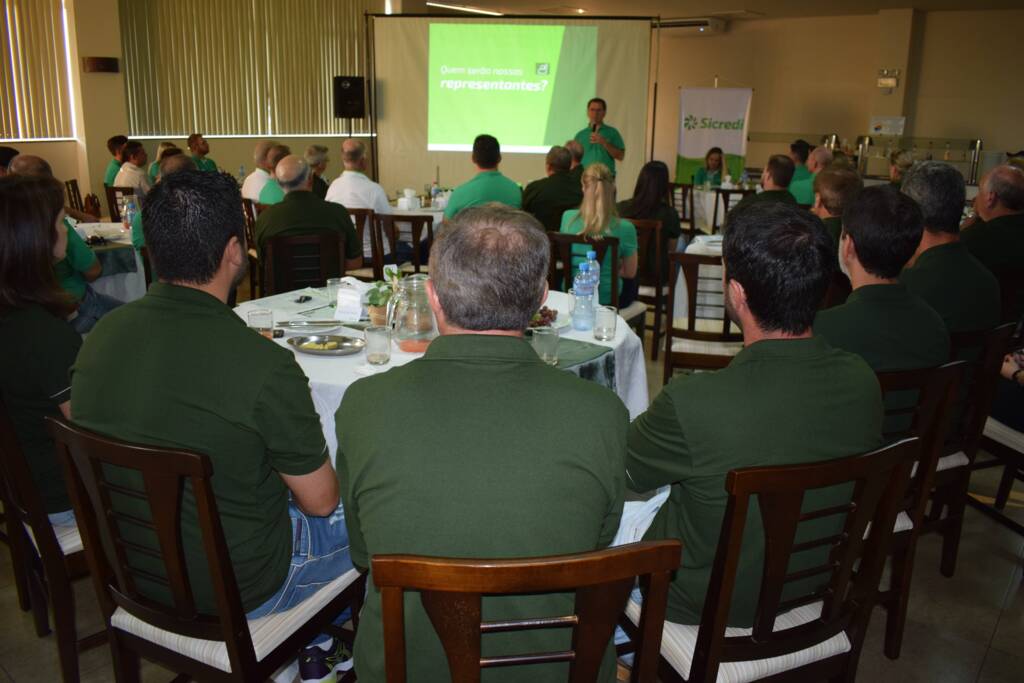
<point x="379" y="294"/>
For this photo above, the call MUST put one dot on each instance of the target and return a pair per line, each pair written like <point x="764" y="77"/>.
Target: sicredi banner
<point x="712" y="117"/>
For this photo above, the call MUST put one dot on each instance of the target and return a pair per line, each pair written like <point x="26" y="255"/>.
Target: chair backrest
<point x="703" y="289"/>
<point x="21" y="498"/>
<point x="115" y="196"/>
<point x="984" y="352"/>
<point x="164" y="475"/>
<point x="362" y="220"/>
<point x="648" y="240"/>
<point x="681" y="199"/>
<point x="249" y="213"/>
<point x="919" y="403"/>
<point x="726" y="196"/>
<point x="295" y="261"/>
<point x="74" y="194"/>
<point x="91" y="205"/>
<point x="451" y="591"/>
<point x="879" y="483"/>
<point x="561" y="253"/>
<point x="385" y="227"/>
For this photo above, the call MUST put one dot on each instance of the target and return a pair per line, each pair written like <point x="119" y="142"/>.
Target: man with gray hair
<point x="548" y="198"/>
<point x="254" y="182"/>
<point x="576" y="168"/>
<point x="354" y="190"/>
<point x="942" y="271"/>
<point x="481" y="417"/>
<point x="997" y="239"/>
<point x="303" y="213"/>
<point x="316" y="157"/>
<point x="272" y="192"/>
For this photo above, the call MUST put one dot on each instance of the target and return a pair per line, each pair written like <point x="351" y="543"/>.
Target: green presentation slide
<point x="526" y="85"/>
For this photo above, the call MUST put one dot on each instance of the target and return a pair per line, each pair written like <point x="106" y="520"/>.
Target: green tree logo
<point x="690" y="122"/>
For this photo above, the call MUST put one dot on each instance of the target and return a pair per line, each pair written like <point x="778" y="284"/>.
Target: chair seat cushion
<point x="947" y="462"/>
<point x="360" y="273"/>
<point x="410" y="268"/>
<point x="637" y="309"/>
<point x="707" y="348"/>
<point x="1000" y="433"/>
<point x="651" y="291"/>
<point x="68" y="538"/>
<point x="267" y="632"/>
<point x="678" y="642"/>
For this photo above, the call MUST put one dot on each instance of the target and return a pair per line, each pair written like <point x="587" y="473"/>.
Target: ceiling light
<point x="580" y="10"/>
<point x="463" y="8"/>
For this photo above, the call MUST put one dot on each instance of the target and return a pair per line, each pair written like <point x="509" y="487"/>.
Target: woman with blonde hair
<point x="597" y="217"/>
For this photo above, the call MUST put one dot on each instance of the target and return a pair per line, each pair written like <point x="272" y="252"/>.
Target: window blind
<point x="240" y="67"/>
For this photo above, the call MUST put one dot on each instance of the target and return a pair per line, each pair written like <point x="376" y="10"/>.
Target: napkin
<point x="349" y="306"/>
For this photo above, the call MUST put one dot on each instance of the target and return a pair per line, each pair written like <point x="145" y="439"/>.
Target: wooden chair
<point x="296" y="261"/>
<point x="918" y="404"/>
<point x="560" y="270"/>
<point x="249" y="211"/>
<point x="726" y="197"/>
<point x="681" y="196"/>
<point x="953" y="471"/>
<point x="74" y="194"/>
<point x="1007" y="446"/>
<point x="451" y="591"/>
<point x="115" y="196"/>
<point x="363" y="219"/>
<point x="385" y="228"/>
<point x="652" y="290"/>
<point x="91" y="205"/>
<point x="709" y="340"/>
<point x="44" y="562"/>
<point x="177" y="635"/>
<point x="796" y="636"/>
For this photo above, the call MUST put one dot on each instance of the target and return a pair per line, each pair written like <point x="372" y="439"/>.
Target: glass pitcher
<point x="409" y="315"/>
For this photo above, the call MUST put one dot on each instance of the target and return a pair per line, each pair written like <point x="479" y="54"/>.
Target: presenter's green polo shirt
<point x="484" y="187"/>
<point x="594" y="153"/>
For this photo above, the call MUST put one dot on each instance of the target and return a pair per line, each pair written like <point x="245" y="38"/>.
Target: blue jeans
<point x="93" y="307"/>
<point x="319" y="555"/>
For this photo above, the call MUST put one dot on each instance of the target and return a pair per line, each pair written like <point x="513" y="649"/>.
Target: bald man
<point x="802" y="188"/>
<point x="997" y="237"/>
<point x="301" y="212"/>
<point x="272" y="192"/>
<point x="261" y="175"/>
<point x="168" y="165"/>
<point x="354" y="190"/>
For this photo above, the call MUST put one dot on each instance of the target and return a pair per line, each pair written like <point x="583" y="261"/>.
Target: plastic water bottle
<point x="128" y="215"/>
<point x="744" y="179"/>
<point x="583" y="314"/>
<point x="595" y="270"/>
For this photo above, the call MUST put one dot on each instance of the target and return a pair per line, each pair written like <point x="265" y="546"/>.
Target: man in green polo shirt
<point x="483" y="465"/>
<point x="802" y="188"/>
<point x="997" y="240"/>
<point x="882" y="321"/>
<point x="208" y="383"/>
<point x="272" y="192"/>
<point x="199" y="148"/>
<point x="799" y="150"/>
<point x="115" y="145"/>
<point x="301" y="212"/>
<point x="942" y="272"/>
<point x="601" y="143"/>
<point x="488" y="185"/>
<point x="786" y="398"/>
<point x="834" y="189"/>
<point x="775" y="179"/>
<point x="548" y="198"/>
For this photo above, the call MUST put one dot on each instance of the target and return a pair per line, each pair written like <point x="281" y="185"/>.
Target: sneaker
<point x="317" y="665"/>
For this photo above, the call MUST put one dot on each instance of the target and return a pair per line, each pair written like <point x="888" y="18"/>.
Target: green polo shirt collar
<point x="896" y="291"/>
<point x="190" y="296"/>
<point x="939" y="252"/>
<point x="775" y="349"/>
<point x="481" y="347"/>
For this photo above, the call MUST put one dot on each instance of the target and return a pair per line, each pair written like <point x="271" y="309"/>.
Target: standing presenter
<point x="601" y="143"/>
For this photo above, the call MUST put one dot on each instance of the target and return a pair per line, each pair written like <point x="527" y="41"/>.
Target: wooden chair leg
<point x="953" y="526"/>
<point x="1005" y="486"/>
<point x="62" y="599"/>
<point x="899" y="598"/>
<point x="16" y="544"/>
<point x="656" y="334"/>
<point x="126" y="661"/>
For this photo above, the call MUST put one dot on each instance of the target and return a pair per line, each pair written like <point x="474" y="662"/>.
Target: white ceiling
<point x="729" y="9"/>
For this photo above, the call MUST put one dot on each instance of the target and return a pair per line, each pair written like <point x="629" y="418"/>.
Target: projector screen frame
<point x="654" y="47"/>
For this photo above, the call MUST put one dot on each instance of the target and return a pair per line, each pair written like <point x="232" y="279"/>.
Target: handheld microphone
<point x="593" y="128"/>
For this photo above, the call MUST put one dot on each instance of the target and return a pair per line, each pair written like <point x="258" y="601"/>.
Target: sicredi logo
<point x="691" y="122"/>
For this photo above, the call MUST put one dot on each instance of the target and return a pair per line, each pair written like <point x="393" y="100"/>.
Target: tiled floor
<point x="965" y="629"/>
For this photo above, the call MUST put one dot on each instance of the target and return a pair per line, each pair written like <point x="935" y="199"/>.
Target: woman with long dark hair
<point x="37" y="345"/>
<point x="651" y="202"/>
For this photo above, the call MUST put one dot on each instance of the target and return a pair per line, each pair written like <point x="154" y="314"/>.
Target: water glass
<point x="545" y="344"/>
<point x="262" y="320"/>
<point x="605" y="318"/>
<point x="378" y="344"/>
<point x="333" y="285"/>
<point x="572" y="300"/>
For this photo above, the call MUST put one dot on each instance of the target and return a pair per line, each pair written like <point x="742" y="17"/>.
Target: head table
<point x="330" y="376"/>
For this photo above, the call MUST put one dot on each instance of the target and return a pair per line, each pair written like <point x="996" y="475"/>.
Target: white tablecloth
<point x="122" y="286"/>
<point x="330" y="376"/>
<point x="405" y="228"/>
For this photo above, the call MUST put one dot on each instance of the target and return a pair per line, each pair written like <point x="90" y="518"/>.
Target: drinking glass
<point x="572" y="300"/>
<point x="333" y="285"/>
<point x="378" y="344"/>
<point x="545" y="343"/>
<point x="605" y="318"/>
<point x="262" y="320"/>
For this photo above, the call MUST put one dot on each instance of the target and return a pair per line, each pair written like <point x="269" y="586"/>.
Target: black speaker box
<point x="349" y="97"/>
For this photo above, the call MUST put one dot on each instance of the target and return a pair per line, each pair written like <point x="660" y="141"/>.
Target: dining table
<point x="330" y="376"/>
<point x="123" y="277"/>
